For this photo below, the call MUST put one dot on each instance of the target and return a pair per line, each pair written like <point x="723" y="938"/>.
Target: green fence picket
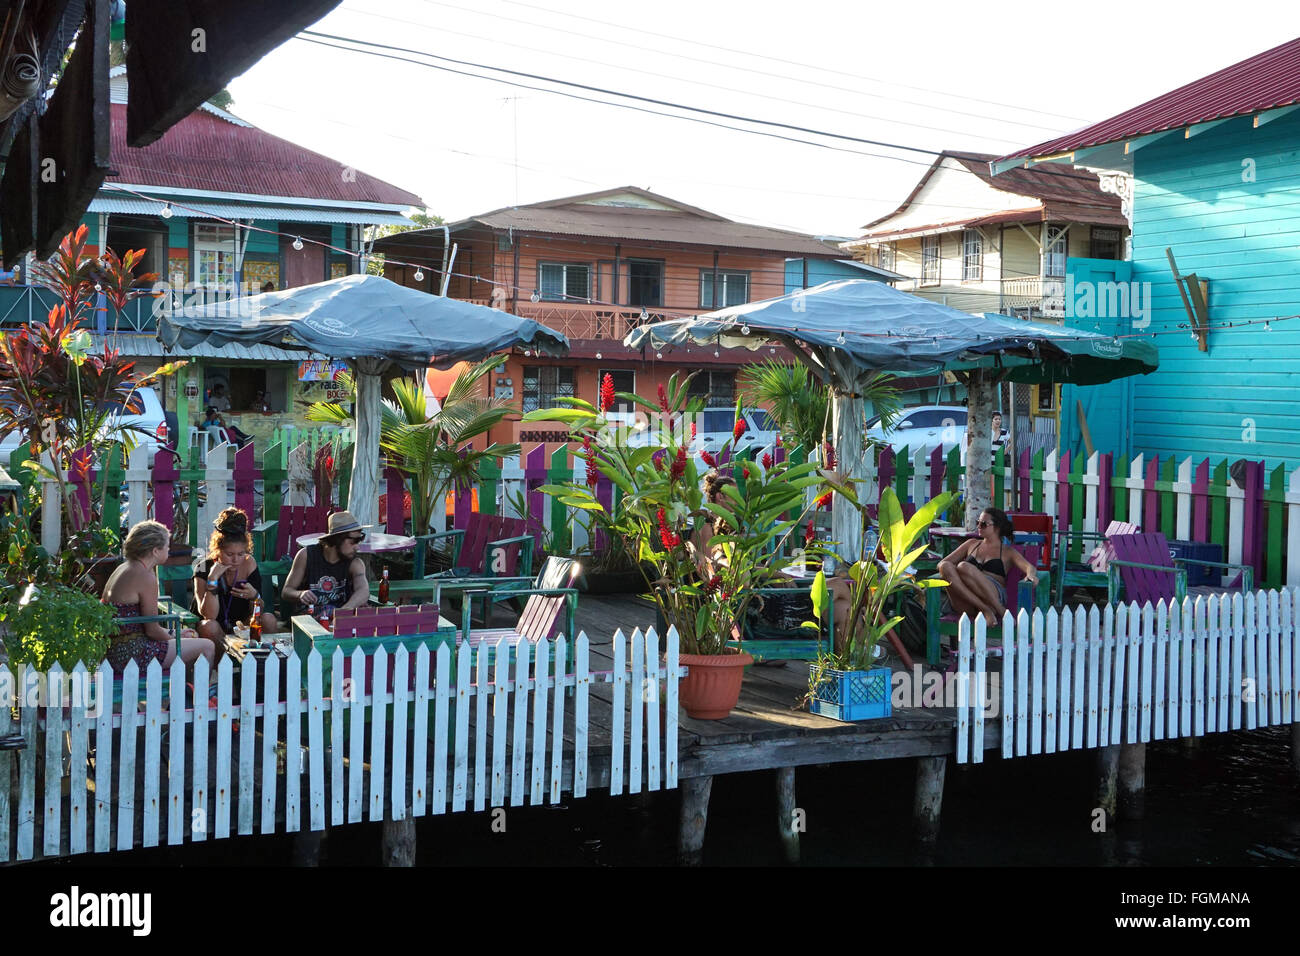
<point x="560" y="471"/>
<point x="111" y="480"/>
<point x="1219" y="506"/>
<point x="1274" y="522"/>
<point x="1168" y="499"/>
<point x="489" y="486"/>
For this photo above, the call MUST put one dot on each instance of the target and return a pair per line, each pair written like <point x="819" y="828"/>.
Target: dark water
<point x="1230" y="801"/>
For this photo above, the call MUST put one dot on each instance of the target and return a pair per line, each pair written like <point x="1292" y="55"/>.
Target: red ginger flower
<point x="666" y="535"/>
<point x="830" y="456"/>
<point x="663" y="398"/>
<point x="779" y="442"/>
<point x="711" y="586"/>
<point x="679" y="464"/>
<point x="744" y="470"/>
<point x="739" y="429"/>
<point x="692" y="431"/>
<point x="708" y="459"/>
<point x="824" y="501"/>
<point x="607" y="393"/>
<point x="767" y="460"/>
<point x="593" y="474"/>
<point x="809" y="532"/>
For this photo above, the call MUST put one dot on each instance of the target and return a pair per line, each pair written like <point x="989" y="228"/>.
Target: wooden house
<point x="596" y="265"/>
<point x="1215" y="260"/>
<point x="985" y="244"/>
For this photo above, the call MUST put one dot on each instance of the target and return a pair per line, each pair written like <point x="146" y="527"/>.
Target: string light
<point x="419" y="274"/>
<point x="744" y="330"/>
<point x="599" y="356"/>
<point x="297" y="243"/>
<point x="535" y="297"/>
<point x="644" y="314"/>
<point x="166" y="211"/>
<point x="840" y="339"/>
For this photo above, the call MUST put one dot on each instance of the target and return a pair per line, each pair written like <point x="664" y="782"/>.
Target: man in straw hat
<point x="329" y="574"/>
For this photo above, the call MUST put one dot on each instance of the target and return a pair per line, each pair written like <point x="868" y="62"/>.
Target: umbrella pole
<point x="846" y="521"/>
<point x="363" y="497"/>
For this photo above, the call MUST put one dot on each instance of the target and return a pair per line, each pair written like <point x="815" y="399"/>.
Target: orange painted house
<point x="595" y="266"/>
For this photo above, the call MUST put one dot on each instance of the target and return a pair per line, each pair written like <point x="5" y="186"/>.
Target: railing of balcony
<point x="1028" y="295"/>
<point x="23" y="304"/>
<point x="579" y="321"/>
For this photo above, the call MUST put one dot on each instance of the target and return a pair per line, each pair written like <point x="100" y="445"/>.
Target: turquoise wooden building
<point x="1215" y="172"/>
<point x="804" y="273"/>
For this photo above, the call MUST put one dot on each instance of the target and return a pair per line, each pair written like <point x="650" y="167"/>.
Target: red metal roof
<point x="1268" y="80"/>
<point x="203" y="151"/>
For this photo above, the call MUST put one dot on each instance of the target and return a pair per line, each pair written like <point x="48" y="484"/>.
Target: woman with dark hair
<point x="227" y="582"/>
<point x="976" y="571"/>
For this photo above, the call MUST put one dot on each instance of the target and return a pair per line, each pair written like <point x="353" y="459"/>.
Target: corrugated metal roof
<point x="203" y="151"/>
<point x="144" y="345"/>
<point x="1262" y="82"/>
<point x="200" y="209"/>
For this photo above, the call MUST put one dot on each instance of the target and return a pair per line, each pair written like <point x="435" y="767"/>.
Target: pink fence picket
<point x="246" y="476"/>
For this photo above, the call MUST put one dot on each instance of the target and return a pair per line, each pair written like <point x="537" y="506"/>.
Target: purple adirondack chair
<point x="1137" y="558"/>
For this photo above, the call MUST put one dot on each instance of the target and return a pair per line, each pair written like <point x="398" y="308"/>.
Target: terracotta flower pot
<point x="711" y="689"/>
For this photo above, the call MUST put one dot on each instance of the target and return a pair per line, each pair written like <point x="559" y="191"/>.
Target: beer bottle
<point x="255" y="623"/>
<point x="383" y="588"/>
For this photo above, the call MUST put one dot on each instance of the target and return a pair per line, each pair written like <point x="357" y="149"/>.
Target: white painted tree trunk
<point x="846" y="521"/>
<point x="980" y="391"/>
<point x="363" y="498"/>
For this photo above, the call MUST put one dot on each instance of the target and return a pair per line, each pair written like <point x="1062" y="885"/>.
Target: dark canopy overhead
<point x="361" y="316"/>
<point x="856" y="328"/>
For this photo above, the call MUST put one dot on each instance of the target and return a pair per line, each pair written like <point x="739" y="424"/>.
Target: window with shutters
<point x="930" y="260"/>
<point x="564" y="281"/>
<point x="972" y="255"/>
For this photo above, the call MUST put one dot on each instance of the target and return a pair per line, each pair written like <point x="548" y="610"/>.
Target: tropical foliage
<point x="434" y="448"/>
<point x="708" y="559"/>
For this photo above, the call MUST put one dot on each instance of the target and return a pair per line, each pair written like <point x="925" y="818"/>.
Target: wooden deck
<point x="769" y="728"/>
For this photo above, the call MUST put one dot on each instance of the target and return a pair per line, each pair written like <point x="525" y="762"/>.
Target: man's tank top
<point x="330" y="582"/>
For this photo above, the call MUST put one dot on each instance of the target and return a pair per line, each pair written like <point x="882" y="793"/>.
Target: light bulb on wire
<point x="840" y="339"/>
<point x="166" y="211"/>
<point x="297" y="244"/>
<point x="535" y="297"/>
<point x="744" y="330"/>
<point x="419" y="274"/>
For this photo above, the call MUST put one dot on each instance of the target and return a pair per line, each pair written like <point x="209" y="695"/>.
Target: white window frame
<point x="929" y="256"/>
<point x="972" y="255"/>
<point x="565" y="268"/>
<point x="210" y="237"/>
<point x="886" y="256"/>
<point x="723" y="276"/>
<point x="1056" y="248"/>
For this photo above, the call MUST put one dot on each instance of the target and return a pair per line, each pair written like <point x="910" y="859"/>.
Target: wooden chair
<point x="541" y="615"/>
<point x="1090" y="573"/>
<point x="1020" y="594"/>
<point x="488" y="546"/>
<point x="1143" y="570"/>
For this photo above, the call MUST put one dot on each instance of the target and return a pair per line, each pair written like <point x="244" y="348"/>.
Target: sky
<point x="930" y="76"/>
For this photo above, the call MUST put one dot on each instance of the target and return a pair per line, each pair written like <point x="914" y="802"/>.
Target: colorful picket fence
<point x="1256" y="521"/>
<point x="1078" y="679"/>
<point x="92" y="776"/>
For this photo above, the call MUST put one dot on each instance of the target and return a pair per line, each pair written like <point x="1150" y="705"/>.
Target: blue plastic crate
<point x="852" y="695"/>
<point x="1198" y="574"/>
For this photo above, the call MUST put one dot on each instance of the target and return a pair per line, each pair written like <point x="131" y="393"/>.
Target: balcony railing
<point x="21" y="304"/>
<point x="1031" y="296"/>
<point x="579" y="321"/>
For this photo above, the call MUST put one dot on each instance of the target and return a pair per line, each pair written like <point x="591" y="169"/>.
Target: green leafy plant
<point x="434" y="449"/>
<point x="702" y="582"/>
<point x="61" y="624"/>
<point x="873" y="582"/>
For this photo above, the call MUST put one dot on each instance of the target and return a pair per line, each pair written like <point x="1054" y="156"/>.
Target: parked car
<point x="714" y="428"/>
<point x="149" y="426"/>
<point x="926" y="426"/>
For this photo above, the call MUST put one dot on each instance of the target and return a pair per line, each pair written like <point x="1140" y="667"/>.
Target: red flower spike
<point x="666" y="535"/>
<point x="830" y="455"/>
<point x="663" y="398"/>
<point x="708" y="459"/>
<point x="678" y="469"/>
<point x="744" y="470"/>
<point x="712" y="585"/>
<point x="809" y="532"/>
<point x="739" y="429"/>
<point x="767" y="460"/>
<point x="779" y="442"/>
<point x="824" y="501"/>
<point x="607" y="393"/>
<point x="593" y="473"/>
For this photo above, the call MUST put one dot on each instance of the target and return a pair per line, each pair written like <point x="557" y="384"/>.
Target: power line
<point x="782" y="76"/>
<point x="442" y="30"/>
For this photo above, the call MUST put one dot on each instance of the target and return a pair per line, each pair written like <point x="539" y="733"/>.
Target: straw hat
<point x="341" y="522"/>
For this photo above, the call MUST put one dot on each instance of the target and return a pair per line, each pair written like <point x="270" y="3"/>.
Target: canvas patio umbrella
<point x="374" y="324"/>
<point x="851" y="330"/>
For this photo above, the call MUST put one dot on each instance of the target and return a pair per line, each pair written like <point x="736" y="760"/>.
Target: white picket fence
<point x="239" y="768"/>
<point x="1073" y="679"/>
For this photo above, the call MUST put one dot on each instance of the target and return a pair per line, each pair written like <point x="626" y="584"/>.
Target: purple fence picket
<point x="1023" y="497"/>
<point x="1063" y="496"/>
<point x="534" y="477"/>
<point x="1201" y="502"/>
<point x="245" y="476"/>
<point x="81" y="475"/>
<point x="937" y="470"/>
<point x="605" y="495"/>
<point x="1251" y="552"/>
<point x="165" y="476"/>
<point x="779" y="455"/>
<point x="1151" y="501"/>
<point x="886" y="470"/>
<point x="395" y="501"/>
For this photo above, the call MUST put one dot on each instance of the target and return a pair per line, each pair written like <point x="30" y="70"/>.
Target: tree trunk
<point x="980" y="394"/>
<point x="363" y="498"/>
<point x="846" y="521"/>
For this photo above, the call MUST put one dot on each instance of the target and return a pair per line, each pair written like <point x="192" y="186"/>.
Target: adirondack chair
<point x="1020" y="594"/>
<point x="770" y="632"/>
<point x="488" y="546"/>
<point x="1143" y="570"/>
<point x="540" y="618"/>
<point x="1092" y="573"/>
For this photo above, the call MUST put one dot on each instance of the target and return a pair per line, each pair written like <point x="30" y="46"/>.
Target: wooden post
<point x="846" y="522"/>
<point x="1132" y="780"/>
<point x="929" y="797"/>
<point x="1107" y="780"/>
<point x="694" y="819"/>
<point x="787" y="822"/>
<point x="306" y="847"/>
<point x="399" y="842"/>
<point x="980" y="393"/>
<point x="1295" y="748"/>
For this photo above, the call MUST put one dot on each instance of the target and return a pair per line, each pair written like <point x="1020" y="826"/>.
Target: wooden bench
<point x="488" y="546"/>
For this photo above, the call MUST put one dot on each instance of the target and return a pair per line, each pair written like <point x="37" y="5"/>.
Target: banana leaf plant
<point x="874" y="581"/>
<point x="708" y="559"/>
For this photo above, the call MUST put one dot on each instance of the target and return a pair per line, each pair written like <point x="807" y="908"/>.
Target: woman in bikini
<point x="976" y="571"/>
<point x="133" y="592"/>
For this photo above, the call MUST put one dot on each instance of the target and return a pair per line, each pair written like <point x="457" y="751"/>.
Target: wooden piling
<point x="929" y="797"/>
<point x="1107" y="780"/>
<point x="787" y="822"/>
<point x="306" y="847"/>
<point x="694" y="819"/>
<point x="1132" y="781"/>
<point x="399" y="842"/>
<point x="1295" y="748"/>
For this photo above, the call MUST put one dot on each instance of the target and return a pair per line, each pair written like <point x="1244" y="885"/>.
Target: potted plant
<point x="701" y="561"/>
<point x="844" y="683"/>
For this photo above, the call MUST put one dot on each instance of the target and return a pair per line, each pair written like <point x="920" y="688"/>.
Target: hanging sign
<point x="321" y="370"/>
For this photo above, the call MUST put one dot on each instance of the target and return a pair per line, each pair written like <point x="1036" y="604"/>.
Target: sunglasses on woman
<point x="983" y="524"/>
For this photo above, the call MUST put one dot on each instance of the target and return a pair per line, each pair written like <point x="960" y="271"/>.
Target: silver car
<point x="926" y="426"/>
